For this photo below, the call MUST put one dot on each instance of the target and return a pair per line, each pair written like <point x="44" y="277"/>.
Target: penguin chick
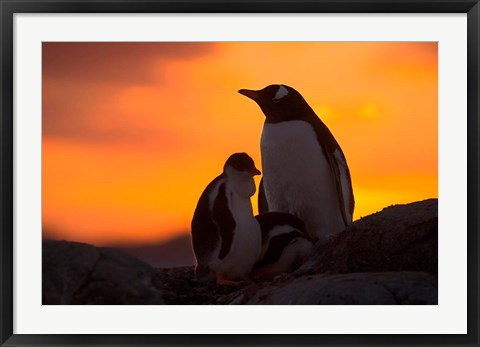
<point x="285" y="244"/>
<point x="226" y="237"/>
<point x="304" y="169"/>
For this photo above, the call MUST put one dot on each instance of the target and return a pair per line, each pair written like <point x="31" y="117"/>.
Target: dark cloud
<point x="81" y="78"/>
<point x="113" y="62"/>
<point x="85" y="120"/>
<point x="70" y="110"/>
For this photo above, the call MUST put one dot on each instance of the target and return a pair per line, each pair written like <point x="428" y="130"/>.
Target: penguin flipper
<point x="339" y="167"/>
<point x="262" y="199"/>
<point x="224" y="221"/>
<point x="343" y="184"/>
<point x="205" y="236"/>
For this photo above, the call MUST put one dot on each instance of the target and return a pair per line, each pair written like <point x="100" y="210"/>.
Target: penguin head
<point x="279" y="102"/>
<point x="240" y="166"/>
<point x="240" y="170"/>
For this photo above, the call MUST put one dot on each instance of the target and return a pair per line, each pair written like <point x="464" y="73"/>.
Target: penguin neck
<point x="240" y="200"/>
<point x="240" y="183"/>
<point x="242" y="189"/>
<point x="305" y="113"/>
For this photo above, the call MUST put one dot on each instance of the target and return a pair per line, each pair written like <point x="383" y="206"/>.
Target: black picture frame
<point x="10" y="7"/>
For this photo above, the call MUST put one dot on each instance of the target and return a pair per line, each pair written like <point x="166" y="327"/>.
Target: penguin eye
<point x="275" y="100"/>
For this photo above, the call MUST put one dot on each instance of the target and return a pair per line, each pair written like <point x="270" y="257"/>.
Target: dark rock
<point x="75" y="273"/>
<point x="399" y="238"/>
<point x="181" y="288"/>
<point x="387" y="258"/>
<point x="65" y="268"/>
<point x="386" y="288"/>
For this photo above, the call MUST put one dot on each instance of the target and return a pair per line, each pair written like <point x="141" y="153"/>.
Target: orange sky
<point x="133" y="132"/>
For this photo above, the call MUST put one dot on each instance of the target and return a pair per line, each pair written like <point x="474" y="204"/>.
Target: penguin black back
<point x="270" y="220"/>
<point x="276" y="246"/>
<point x="279" y="231"/>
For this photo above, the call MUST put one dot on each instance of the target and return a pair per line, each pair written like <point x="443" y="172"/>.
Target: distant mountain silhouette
<point x="174" y="253"/>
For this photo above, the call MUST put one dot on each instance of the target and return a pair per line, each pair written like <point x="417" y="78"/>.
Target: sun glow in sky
<point x="133" y="132"/>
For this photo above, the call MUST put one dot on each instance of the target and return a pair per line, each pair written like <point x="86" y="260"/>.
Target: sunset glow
<point x="133" y="132"/>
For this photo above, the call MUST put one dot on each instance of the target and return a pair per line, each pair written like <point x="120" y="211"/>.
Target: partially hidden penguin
<point x="226" y="237"/>
<point x="304" y="169"/>
<point x="285" y="245"/>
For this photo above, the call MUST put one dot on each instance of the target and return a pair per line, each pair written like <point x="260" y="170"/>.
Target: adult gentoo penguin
<point x="226" y="237"/>
<point x="285" y="244"/>
<point x="304" y="169"/>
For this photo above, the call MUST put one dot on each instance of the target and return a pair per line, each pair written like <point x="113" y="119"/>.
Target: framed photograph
<point x="239" y="173"/>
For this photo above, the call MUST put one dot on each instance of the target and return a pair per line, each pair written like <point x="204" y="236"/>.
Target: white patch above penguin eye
<point x="281" y="93"/>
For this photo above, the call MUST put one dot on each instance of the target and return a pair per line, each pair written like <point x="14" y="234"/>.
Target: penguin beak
<point x="252" y="94"/>
<point x="254" y="171"/>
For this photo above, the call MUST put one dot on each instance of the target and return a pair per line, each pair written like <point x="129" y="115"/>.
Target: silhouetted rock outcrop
<point x="380" y="288"/>
<point x="389" y="257"/>
<point x="76" y="273"/>
<point x="399" y="238"/>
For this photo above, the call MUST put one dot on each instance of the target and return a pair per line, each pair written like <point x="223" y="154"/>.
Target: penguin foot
<point x="224" y="282"/>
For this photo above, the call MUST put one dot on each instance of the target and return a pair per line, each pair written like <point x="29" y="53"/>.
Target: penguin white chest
<point x="246" y="246"/>
<point x="297" y="176"/>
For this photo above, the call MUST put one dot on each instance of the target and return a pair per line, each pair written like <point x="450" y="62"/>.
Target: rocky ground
<point x="386" y="258"/>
